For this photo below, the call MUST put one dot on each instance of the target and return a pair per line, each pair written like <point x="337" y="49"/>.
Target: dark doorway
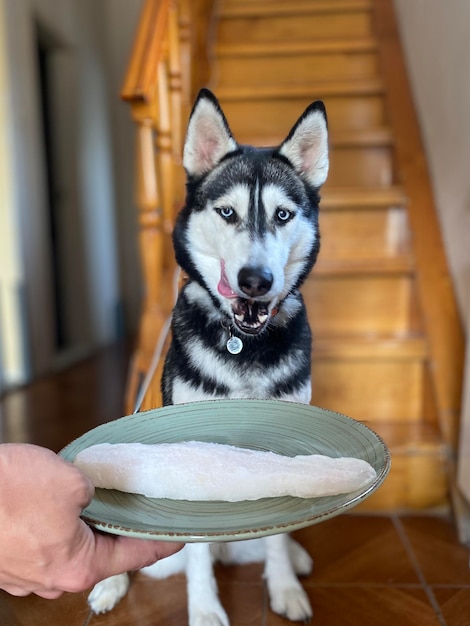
<point x="45" y="49"/>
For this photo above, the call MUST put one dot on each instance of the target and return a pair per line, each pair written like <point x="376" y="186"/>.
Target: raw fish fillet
<point x="196" y="470"/>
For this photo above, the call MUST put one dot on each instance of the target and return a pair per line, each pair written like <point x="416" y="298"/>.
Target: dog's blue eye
<point x="227" y="213"/>
<point x="283" y="215"/>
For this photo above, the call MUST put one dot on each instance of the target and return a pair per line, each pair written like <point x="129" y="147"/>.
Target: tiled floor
<point x="369" y="570"/>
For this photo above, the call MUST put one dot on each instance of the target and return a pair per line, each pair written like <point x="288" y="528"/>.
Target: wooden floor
<point x="369" y="570"/>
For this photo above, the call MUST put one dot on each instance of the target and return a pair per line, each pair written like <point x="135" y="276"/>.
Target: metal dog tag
<point x="234" y="345"/>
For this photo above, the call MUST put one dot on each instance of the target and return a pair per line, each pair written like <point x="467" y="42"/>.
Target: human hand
<point x="45" y="548"/>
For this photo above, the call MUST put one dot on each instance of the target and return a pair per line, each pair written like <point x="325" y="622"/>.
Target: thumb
<point x="116" y="554"/>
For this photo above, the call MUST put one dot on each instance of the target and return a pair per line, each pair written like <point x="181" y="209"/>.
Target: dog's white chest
<point x="249" y="387"/>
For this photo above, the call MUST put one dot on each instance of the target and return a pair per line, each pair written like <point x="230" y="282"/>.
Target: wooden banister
<point x="140" y="80"/>
<point x="163" y="75"/>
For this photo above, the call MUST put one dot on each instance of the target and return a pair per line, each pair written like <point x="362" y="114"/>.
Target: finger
<point x="51" y="594"/>
<point x="15" y="591"/>
<point x="116" y="554"/>
<point x="87" y="488"/>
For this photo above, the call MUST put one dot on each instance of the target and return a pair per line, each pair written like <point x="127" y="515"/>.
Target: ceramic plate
<point x="282" y="427"/>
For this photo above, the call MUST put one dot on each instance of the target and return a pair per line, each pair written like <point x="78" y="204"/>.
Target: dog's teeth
<point x="250" y="315"/>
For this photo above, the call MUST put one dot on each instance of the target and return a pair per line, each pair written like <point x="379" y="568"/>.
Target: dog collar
<point x="234" y="344"/>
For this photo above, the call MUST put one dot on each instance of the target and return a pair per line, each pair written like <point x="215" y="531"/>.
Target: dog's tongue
<point x="223" y="287"/>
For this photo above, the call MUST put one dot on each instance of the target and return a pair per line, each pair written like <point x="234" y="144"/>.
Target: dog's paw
<point x="209" y="619"/>
<point x="107" y="593"/>
<point x="301" y="560"/>
<point x="292" y="603"/>
<point x="207" y="611"/>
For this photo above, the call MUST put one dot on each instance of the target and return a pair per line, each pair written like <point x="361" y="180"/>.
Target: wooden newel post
<point x="158" y="86"/>
<point x="151" y="240"/>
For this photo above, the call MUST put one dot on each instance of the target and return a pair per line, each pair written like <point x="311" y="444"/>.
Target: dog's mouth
<point x="249" y="315"/>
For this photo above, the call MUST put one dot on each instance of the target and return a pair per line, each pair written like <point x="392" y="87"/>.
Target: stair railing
<point x="167" y="66"/>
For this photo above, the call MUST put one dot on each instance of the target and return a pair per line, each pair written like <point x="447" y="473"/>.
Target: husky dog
<point x="247" y="238"/>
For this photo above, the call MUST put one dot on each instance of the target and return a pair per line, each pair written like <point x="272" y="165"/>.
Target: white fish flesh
<point x="196" y="470"/>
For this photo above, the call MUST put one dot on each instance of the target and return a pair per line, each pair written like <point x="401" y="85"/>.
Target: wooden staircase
<point x="388" y="344"/>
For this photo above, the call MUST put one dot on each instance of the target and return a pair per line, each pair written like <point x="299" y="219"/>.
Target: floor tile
<point x="56" y="409"/>
<point x="366" y="606"/>
<point x="68" y="610"/>
<point x="442" y="559"/>
<point x="244" y="603"/>
<point x="454" y="603"/>
<point x="358" y="549"/>
<point x="149" y="602"/>
<point x="243" y="574"/>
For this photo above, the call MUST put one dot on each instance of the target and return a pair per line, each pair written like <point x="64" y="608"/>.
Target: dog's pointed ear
<point x="306" y="146"/>
<point x="208" y="138"/>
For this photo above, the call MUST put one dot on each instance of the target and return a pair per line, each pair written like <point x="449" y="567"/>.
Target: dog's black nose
<point x="255" y="281"/>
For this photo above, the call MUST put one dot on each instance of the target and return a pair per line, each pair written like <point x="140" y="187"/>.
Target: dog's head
<point x="249" y="230"/>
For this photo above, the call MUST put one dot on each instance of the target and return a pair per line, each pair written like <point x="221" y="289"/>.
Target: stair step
<point x="294" y="7"/>
<point x="298" y="21"/>
<point x="371" y="378"/>
<point x="363" y="165"/>
<point x="401" y="264"/>
<point x="262" y="4"/>
<point x="295" y="63"/>
<point x="365" y="137"/>
<point x="347" y="198"/>
<point x="355" y="138"/>
<point x="365" y="87"/>
<point x="264" y="116"/>
<point x="418" y="474"/>
<point x="359" y="304"/>
<point x="374" y="348"/>
<point x="293" y="48"/>
<point x="357" y="239"/>
<point x="362" y="157"/>
<point x="409" y="437"/>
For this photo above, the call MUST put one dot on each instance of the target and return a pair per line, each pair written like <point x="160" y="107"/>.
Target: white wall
<point x="121" y="18"/>
<point x="435" y="34"/>
<point x="95" y="158"/>
<point x="12" y="344"/>
<point x="27" y="284"/>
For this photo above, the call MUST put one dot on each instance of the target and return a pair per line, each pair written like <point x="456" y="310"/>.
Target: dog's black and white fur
<point x="246" y="238"/>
